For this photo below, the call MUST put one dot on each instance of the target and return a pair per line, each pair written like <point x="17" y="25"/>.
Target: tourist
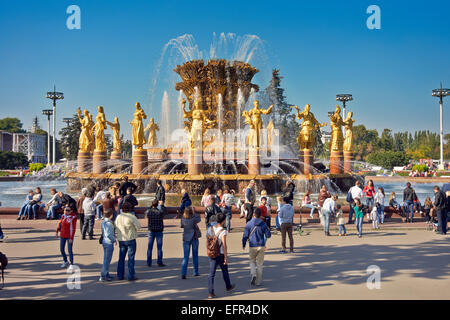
<point x="160" y="194"/>
<point x="54" y="204"/>
<point x="155" y="231"/>
<point x="393" y="202"/>
<point x="22" y="211"/>
<point x="35" y="204"/>
<point x="359" y="216"/>
<point x="374" y="217"/>
<point x="369" y="193"/>
<point x="340" y="220"/>
<point x="379" y="204"/>
<point x="323" y="195"/>
<point x="205" y="198"/>
<point x="185" y="202"/>
<point x="67" y="200"/>
<point x="191" y="234"/>
<point x="256" y="233"/>
<point x="408" y="202"/>
<point x="108" y="242"/>
<point x="263" y="208"/>
<point x="218" y="197"/>
<point x="428" y="207"/>
<point x="440" y="203"/>
<point x="269" y="207"/>
<point x="354" y="193"/>
<point x="98" y="199"/>
<point x="123" y="189"/>
<point x="307" y="203"/>
<point x="289" y="191"/>
<point x="328" y="209"/>
<point x="228" y="203"/>
<point x="66" y="229"/>
<point x="417" y="206"/>
<point x="211" y="210"/>
<point x="130" y="198"/>
<point x="127" y="226"/>
<point x="89" y="217"/>
<point x="221" y="260"/>
<point x="110" y="203"/>
<point x="286" y="218"/>
<point x="114" y="190"/>
<point x="80" y="210"/>
<point x="250" y="198"/>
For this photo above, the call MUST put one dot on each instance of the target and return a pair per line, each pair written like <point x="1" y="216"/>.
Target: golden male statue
<point x="253" y="119"/>
<point x="336" y="123"/>
<point x="85" y="141"/>
<point x="152" y="127"/>
<point x="115" y="127"/>
<point x="99" y="129"/>
<point x="138" y="127"/>
<point x="310" y="124"/>
<point x="348" y="142"/>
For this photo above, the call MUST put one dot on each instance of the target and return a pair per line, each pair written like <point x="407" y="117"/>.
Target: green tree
<point x="127" y="148"/>
<point x="69" y="138"/>
<point x="386" y="140"/>
<point x="12" y="160"/>
<point x="12" y="125"/>
<point x="388" y="159"/>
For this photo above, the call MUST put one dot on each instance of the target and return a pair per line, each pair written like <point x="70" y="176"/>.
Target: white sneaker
<point x="70" y="267"/>
<point x="65" y="264"/>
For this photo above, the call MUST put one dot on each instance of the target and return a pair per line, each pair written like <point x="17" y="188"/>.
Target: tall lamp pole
<point x="344" y="97"/>
<point x="53" y="95"/>
<point x="48" y="113"/>
<point x="441" y="93"/>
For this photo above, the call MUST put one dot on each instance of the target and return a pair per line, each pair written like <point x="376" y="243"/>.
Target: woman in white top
<point x="205" y="198"/>
<point x="307" y="203"/>
<point x="379" y="202"/>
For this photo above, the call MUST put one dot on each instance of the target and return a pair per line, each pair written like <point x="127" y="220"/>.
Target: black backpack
<point x="3" y="264"/>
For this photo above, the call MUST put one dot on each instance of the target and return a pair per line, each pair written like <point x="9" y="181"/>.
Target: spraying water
<point x="165" y="122"/>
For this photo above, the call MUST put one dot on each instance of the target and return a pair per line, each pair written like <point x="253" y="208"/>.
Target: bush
<point x="388" y="159"/>
<point x="12" y="160"/>
<point x="36" y="167"/>
<point x="420" y="168"/>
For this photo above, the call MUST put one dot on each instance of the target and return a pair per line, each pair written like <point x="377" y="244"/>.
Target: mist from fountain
<point x="165" y="121"/>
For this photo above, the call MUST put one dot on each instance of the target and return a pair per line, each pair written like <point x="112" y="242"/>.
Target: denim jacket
<point x="108" y="232"/>
<point x="259" y="236"/>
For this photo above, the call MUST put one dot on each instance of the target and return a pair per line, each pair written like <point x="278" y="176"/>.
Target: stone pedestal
<point x="336" y="162"/>
<point x="140" y="161"/>
<point x="116" y="155"/>
<point x="253" y="162"/>
<point x="84" y="162"/>
<point x="99" y="162"/>
<point x="156" y="153"/>
<point x="308" y="161"/>
<point x="348" y="162"/>
<point x="195" y="161"/>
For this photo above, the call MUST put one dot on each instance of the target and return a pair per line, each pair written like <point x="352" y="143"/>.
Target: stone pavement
<point x="414" y="264"/>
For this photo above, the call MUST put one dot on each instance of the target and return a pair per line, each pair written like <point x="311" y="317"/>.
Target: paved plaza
<point x="414" y="263"/>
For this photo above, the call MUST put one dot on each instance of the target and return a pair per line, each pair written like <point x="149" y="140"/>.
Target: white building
<point x="31" y="144"/>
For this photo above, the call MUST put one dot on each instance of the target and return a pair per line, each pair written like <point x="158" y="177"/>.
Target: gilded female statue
<point x="99" y="129"/>
<point x="90" y="132"/>
<point x="336" y="123"/>
<point x="200" y="123"/>
<point x="138" y="127"/>
<point x="253" y="118"/>
<point x="310" y="124"/>
<point x="348" y="132"/>
<point x="115" y="127"/>
<point x="85" y="136"/>
<point x="152" y="127"/>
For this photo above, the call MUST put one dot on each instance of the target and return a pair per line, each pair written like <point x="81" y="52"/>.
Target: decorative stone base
<point x="157" y="154"/>
<point x="140" y="162"/>
<point x="308" y="161"/>
<point x="99" y="162"/>
<point x="348" y="162"/>
<point x="116" y="155"/>
<point x="84" y="162"/>
<point x="336" y="162"/>
<point x="253" y="162"/>
<point x="195" y="162"/>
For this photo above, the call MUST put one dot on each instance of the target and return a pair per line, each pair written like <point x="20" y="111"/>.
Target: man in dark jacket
<point x="130" y="199"/>
<point x="155" y="231"/>
<point x="289" y="191"/>
<point x="257" y="233"/>
<point x="160" y="193"/>
<point x="408" y="202"/>
<point x="440" y="205"/>
<point x="211" y="210"/>
<point x="123" y="189"/>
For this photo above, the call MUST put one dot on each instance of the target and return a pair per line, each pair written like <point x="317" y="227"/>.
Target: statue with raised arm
<point x="306" y="139"/>
<point x="115" y="127"/>
<point x="152" y="127"/>
<point x="348" y="142"/>
<point x="200" y="123"/>
<point x="336" y="123"/>
<point x="253" y="119"/>
<point x="138" y="127"/>
<point x="99" y="129"/>
<point x="84" y="141"/>
<point x="90" y="131"/>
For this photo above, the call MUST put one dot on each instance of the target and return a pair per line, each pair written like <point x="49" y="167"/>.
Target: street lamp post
<point x="344" y="97"/>
<point x="441" y="93"/>
<point x="48" y="113"/>
<point x="53" y="95"/>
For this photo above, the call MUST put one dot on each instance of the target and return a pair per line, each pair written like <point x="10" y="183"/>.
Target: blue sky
<point x="320" y="48"/>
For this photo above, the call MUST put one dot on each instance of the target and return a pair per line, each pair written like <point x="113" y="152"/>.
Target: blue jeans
<point x="342" y="228"/>
<point x="311" y="207"/>
<point x="186" y="249"/>
<point x="213" y="263"/>
<point x="1" y="233"/>
<point x="35" y="209"/>
<point x="22" y="210"/>
<point x="228" y="213"/>
<point x="359" y="224"/>
<point x="62" y="247"/>
<point x="369" y="203"/>
<point x="159" y="244"/>
<point x="124" y="248"/>
<point x="326" y="220"/>
<point x="51" y="211"/>
<point x="380" y="213"/>
<point x="99" y="211"/>
<point x="442" y="221"/>
<point x="108" y="250"/>
<point x="408" y="208"/>
<point x="351" y="211"/>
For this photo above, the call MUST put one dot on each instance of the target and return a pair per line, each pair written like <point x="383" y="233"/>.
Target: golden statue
<point x="152" y="127"/>
<point x="348" y="132"/>
<point x="90" y="131"/>
<point x="253" y="119"/>
<point x="85" y="142"/>
<point x="115" y="127"/>
<point x="306" y="139"/>
<point x="270" y="133"/>
<point x="200" y="123"/>
<point x="99" y="129"/>
<point x="336" y="123"/>
<point x="138" y="127"/>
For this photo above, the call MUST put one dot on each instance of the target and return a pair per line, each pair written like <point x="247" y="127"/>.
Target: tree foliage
<point x="69" y="138"/>
<point x="388" y="159"/>
<point x="12" y="160"/>
<point x="12" y="125"/>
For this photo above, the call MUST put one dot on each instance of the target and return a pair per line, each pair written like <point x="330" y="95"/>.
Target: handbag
<point x="197" y="232"/>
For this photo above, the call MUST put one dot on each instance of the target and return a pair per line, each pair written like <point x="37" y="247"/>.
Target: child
<point x="268" y="206"/>
<point x="340" y="220"/>
<point x="185" y="202"/>
<point x="374" y="217"/>
<point x="22" y="211"/>
<point x="263" y="208"/>
<point x="359" y="215"/>
<point x="428" y="207"/>
<point x="393" y="202"/>
<point x="307" y="203"/>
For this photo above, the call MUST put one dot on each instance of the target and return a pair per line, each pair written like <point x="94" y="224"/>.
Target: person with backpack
<point x="191" y="234"/>
<point x="108" y="240"/>
<point x="66" y="229"/>
<point x="216" y="247"/>
<point x="256" y="233"/>
<point x="155" y="231"/>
